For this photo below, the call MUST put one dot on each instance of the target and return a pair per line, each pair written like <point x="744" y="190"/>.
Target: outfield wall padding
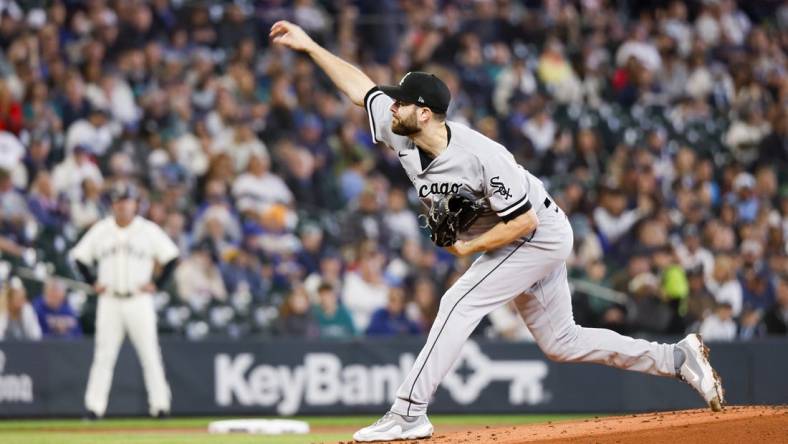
<point x="291" y="376"/>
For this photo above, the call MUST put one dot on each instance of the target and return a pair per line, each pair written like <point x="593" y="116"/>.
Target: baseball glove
<point x="450" y="215"/>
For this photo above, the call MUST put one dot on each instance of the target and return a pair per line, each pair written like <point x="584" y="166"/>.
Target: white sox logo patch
<point x="439" y="188"/>
<point x="500" y="188"/>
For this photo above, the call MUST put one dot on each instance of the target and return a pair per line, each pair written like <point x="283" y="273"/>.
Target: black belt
<point x="120" y="294"/>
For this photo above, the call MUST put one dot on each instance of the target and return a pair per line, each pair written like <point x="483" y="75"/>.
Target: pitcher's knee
<point x="562" y="348"/>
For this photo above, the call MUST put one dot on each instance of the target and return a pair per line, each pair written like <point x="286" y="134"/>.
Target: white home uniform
<point x="126" y="257"/>
<point x="530" y="270"/>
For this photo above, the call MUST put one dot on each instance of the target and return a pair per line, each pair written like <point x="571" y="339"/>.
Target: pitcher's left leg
<point x="548" y="314"/>
<point x="140" y="316"/>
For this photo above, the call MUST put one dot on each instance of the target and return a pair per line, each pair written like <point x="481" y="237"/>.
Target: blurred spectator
<point x="391" y="320"/>
<point x="612" y="218"/>
<point x="258" y="187"/>
<point x="724" y="286"/>
<point x="295" y="316"/>
<point x="332" y="318"/>
<point x="50" y="212"/>
<point x="198" y="279"/>
<point x="242" y="273"/>
<point x="330" y="272"/>
<point x="94" y="133"/>
<point x="12" y="154"/>
<point x="400" y="220"/>
<point x="719" y="325"/>
<point x="365" y="291"/>
<point x="365" y="221"/>
<point x="87" y="208"/>
<point x="751" y="326"/>
<point x="423" y="308"/>
<point x="14" y="210"/>
<point x="700" y="302"/>
<point x="18" y="320"/>
<point x="755" y="278"/>
<point x="11" y="117"/>
<point x="311" y="248"/>
<point x="776" y="318"/>
<point x="55" y="315"/>
<point x="691" y="254"/>
<point x="69" y="175"/>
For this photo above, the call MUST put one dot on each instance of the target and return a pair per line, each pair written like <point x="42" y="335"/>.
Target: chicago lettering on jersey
<point x="439" y="188"/>
<point x="500" y="188"/>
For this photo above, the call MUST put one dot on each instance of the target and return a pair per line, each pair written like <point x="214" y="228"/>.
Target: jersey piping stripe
<point x="513" y="206"/>
<point x="446" y="321"/>
<point x="374" y="93"/>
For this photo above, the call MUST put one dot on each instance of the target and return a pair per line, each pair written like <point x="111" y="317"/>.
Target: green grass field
<point x="194" y="430"/>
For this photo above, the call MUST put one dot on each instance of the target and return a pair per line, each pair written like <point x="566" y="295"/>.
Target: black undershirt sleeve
<point x="85" y="271"/>
<point x="166" y="272"/>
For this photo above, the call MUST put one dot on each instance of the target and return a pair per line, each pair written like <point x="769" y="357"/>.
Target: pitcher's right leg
<point x="547" y="312"/>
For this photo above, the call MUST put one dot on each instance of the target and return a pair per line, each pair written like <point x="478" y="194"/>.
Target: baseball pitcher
<point x="482" y="201"/>
<point x="126" y="247"/>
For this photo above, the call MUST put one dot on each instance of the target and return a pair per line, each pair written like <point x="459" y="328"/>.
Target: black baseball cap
<point x="422" y="89"/>
<point x="121" y="191"/>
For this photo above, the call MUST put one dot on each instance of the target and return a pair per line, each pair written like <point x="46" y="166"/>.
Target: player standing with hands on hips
<point x="523" y="235"/>
<point x="126" y="247"/>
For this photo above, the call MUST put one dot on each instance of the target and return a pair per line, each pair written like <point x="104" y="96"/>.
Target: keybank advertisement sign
<point x="14" y="387"/>
<point x="323" y="379"/>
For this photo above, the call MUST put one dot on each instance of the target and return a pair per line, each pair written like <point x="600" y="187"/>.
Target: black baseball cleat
<point x="90" y="416"/>
<point x="161" y="414"/>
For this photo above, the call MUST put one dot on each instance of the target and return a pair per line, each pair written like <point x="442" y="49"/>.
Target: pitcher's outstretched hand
<point x="290" y="35"/>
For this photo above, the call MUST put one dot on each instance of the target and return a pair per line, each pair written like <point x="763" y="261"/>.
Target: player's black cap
<point x="122" y="190"/>
<point x="421" y="88"/>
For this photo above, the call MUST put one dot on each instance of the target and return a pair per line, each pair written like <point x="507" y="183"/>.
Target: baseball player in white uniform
<point x="523" y="237"/>
<point x="127" y="248"/>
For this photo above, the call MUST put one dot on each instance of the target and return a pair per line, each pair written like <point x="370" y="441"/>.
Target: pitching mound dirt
<point x="733" y="425"/>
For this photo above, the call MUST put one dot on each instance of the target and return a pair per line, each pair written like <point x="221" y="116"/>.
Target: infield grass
<point x="194" y="430"/>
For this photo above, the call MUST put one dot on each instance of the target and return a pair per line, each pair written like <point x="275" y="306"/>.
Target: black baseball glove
<point x="450" y="215"/>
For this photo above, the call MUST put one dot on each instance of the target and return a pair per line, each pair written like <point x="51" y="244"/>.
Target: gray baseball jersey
<point x="531" y="270"/>
<point x="471" y="161"/>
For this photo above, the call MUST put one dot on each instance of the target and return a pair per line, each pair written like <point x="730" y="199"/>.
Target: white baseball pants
<point x="115" y="317"/>
<point x="534" y="274"/>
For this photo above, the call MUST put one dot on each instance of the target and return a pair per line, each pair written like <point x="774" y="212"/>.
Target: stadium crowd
<point x="660" y="127"/>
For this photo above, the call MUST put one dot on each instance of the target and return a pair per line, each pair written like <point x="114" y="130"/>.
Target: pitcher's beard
<point x="402" y="128"/>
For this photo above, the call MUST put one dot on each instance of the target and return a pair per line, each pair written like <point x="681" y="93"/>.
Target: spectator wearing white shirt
<point x="612" y="218"/>
<point x="719" y="326"/>
<point x="94" y="132"/>
<point x="540" y="130"/>
<point x="365" y="290"/>
<point x="692" y="255"/>
<point x="11" y="154"/>
<point x="18" y="319"/>
<point x="68" y="175"/>
<point x="241" y="143"/>
<point x="86" y="209"/>
<point x="724" y="285"/>
<point x="115" y="95"/>
<point x="259" y="187"/>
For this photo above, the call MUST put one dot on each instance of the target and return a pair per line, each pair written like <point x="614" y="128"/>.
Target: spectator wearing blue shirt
<point x="241" y="272"/>
<point x="391" y="320"/>
<point x="55" y="315"/>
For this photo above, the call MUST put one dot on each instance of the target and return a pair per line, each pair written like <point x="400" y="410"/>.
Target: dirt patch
<point x="733" y="425"/>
